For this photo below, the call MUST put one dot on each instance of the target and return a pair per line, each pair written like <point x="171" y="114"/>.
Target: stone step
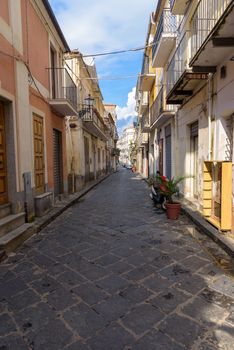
<point x="11" y="222"/>
<point x="10" y="241"/>
<point x="5" y="210"/>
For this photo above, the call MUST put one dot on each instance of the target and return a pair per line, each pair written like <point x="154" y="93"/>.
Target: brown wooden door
<point x="39" y="168"/>
<point x="3" y="158"/>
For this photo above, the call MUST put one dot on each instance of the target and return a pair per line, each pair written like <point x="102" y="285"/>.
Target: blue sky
<point x="94" y="26"/>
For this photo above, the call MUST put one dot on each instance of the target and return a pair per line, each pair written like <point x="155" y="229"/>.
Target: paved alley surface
<point x="111" y="273"/>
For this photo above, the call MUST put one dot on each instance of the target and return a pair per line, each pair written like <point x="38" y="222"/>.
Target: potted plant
<point x="169" y="188"/>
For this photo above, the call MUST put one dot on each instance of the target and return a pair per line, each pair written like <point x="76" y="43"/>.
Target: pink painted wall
<point x="36" y="43"/>
<point x="7" y="76"/>
<point x="4" y="11"/>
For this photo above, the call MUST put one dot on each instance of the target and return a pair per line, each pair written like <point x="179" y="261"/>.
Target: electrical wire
<point x="119" y="52"/>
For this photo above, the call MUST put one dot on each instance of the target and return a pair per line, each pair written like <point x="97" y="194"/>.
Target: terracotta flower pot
<point x="173" y="210"/>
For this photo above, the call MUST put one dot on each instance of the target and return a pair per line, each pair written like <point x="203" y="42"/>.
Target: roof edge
<point x="56" y="24"/>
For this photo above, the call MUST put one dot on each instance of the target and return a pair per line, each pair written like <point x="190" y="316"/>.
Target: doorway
<point x="3" y="158"/>
<point x="58" y="173"/>
<point x="86" y="154"/>
<point x="39" y="164"/>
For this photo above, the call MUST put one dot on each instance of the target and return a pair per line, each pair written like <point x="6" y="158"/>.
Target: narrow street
<point x="111" y="273"/>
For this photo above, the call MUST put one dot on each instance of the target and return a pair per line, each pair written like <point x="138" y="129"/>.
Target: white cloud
<point x="128" y="110"/>
<point x="98" y="25"/>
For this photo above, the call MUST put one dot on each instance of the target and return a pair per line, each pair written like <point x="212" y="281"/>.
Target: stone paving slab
<point x="113" y="273"/>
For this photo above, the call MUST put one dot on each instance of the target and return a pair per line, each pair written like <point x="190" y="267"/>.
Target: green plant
<point x="169" y="187"/>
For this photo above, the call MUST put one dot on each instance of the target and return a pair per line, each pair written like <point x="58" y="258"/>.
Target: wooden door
<point x="39" y="162"/>
<point x="3" y="158"/>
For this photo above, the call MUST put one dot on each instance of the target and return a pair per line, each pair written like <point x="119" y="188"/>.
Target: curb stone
<point x="55" y="211"/>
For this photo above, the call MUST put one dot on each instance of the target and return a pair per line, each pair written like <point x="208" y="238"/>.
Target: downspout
<point x="176" y="143"/>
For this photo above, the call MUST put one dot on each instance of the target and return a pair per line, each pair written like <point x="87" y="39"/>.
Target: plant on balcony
<point x="169" y="188"/>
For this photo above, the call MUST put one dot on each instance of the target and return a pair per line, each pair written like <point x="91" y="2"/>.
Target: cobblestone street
<point x="111" y="273"/>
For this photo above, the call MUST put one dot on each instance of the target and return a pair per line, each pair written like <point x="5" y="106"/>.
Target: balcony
<point x="212" y="34"/>
<point x="164" y="39"/>
<point x="146" y="79"/>
<point x="93" y="122"/>
<point x="143" y="102"/>
<point x="145" y="125"/>
<point x="181" y="79"/>
<point x="178" y="7"/>
<point x="143" y="139"/>
<point x="160" y="112"/>
<point x="63" y="92"/>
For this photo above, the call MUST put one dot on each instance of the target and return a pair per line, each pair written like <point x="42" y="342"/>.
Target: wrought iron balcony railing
<point x="179" y="62"/>
<point x="93" y="121"/>
<point x="145" y="66"/>
<point x="145" y="122"/>
<point x="63" y="87"/>
<point x="159" y="106"/>
<point x="205" y="17"/>
<point x="167" y="25"/>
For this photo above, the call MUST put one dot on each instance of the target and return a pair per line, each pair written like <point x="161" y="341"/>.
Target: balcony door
<point x="53" y="72"/>
<point x="3" y="158"/>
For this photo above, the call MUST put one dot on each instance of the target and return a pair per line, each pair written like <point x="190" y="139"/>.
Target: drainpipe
<point x="210" y="105"/>
<point x="176" y="143"/>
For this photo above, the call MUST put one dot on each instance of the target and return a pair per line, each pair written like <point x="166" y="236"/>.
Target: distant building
<point x="126" y="144"/>
<point x="92" y="134"/>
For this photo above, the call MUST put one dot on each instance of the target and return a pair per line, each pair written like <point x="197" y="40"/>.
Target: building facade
<point x="112" y="133"/>
<point x="191" y="115"/>
<point x="92" y="134"/>
<point x="36" y="93"/>
<point x="126" y="145"/>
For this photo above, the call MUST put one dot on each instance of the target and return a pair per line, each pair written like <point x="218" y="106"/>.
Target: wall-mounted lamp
<point x="89" y="101"/>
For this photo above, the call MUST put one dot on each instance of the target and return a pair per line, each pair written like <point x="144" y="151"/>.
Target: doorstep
<point x="224" y="240"/>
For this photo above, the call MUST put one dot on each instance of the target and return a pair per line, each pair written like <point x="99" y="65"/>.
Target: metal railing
<point x="159" y="106"/>
<point x="204" y="19"/>
<point x="179" y="62"/>
<point x="145" y="66"/>
<point x="90" y="114"/>
<point x="167" y="24"/>
<point x="63" y="86"/>
<point x="145" y="123"/>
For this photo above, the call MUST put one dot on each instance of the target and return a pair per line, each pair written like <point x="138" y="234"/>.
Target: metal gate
<point x="168" y="151"/>
<point x="58" y="174"/>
